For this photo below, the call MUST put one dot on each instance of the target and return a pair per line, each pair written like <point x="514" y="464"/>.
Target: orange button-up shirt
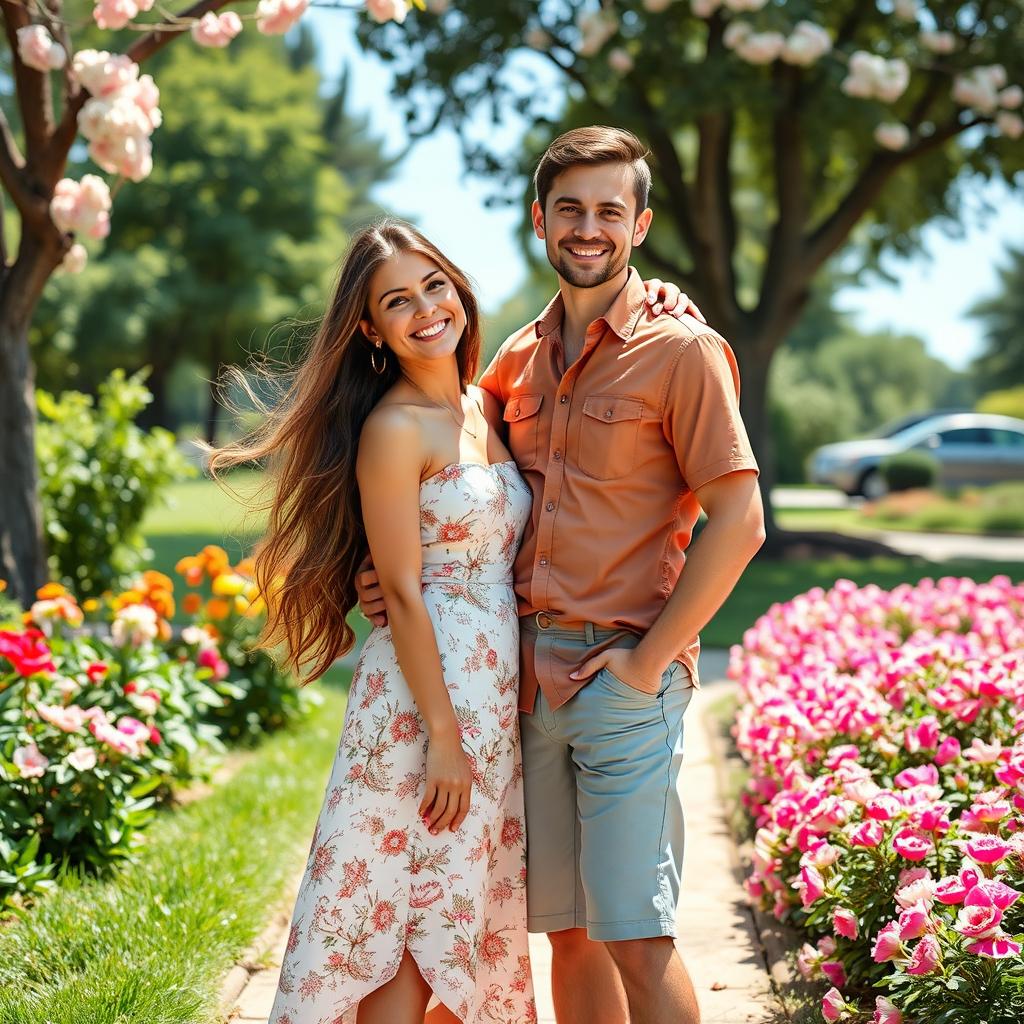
<point x="613" y="448"/>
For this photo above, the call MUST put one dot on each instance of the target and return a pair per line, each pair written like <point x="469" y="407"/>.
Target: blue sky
<point x="930" y="298"/>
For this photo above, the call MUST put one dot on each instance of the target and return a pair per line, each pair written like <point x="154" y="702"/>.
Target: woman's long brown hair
<point x="305" y="565"/>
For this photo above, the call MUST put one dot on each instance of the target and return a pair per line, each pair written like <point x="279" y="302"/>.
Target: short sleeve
<point x="490" y="379"/>
<point x="702" y="417"/>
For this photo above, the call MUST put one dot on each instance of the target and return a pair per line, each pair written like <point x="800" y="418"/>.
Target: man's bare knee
<point x="570" y="942"/>
<point x="641" y="956"/>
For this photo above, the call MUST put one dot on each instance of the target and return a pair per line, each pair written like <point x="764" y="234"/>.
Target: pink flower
<point x="911" y="845"/>
<point x="845" y="923"/>
<point x="833" y="1005"/>
<point x="834" y="972"/>
<point x="275" y="17"/>
<point x="886" y="1012"/>
<point x="987" y="849"/>
<point x="82" y="207"/>
<point x="887" y="945"/>
<point x="116" y="14"/>
<point x="30" y="762"/>
<point x="811" y="885"/>
<point x="951" y="890"/>
<point x="923" y="775"/>
<point x="914" y="922"/>
<point x="984" y="753"/>
<point x="949" y="750"/>
<point x="69" y="719"/>
<point x="923" y="735"/>
<point x="996" y="946"/>
<point x="883" y="807"/>
<point x="1002" y="895"/>
<point x="216" y="30"/>
<point x="387" y="10"/>
<point x="83" y="759"/>
<point x="915" y="886"/>
<point x="37" y="49"/>
<point x="979" y="917"/>
<point x="867" y="833"/>
<point x="425" y="895"/>
<point x="924" y="957"/>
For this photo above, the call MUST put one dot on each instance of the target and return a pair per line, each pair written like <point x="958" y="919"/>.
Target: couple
<point x="575" y="473"/>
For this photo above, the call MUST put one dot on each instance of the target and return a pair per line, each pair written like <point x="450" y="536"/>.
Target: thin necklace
<point x="445" y="406"/>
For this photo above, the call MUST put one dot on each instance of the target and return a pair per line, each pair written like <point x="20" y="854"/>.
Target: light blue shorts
<point x="604" y="822"/>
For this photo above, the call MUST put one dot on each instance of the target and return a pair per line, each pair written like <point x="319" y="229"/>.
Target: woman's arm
<point x="390" y="462"/>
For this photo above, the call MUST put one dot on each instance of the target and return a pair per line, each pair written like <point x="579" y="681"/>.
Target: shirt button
<point x="557" y="456"/>
<point x="550" y="506"/>
<point x="608" y="414"/>
<point x="543" y="561"/>
<point x="564" y="399"/>
<point x="516" y="411"/>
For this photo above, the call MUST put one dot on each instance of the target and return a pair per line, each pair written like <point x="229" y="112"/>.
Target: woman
<point x="415" y="882"/>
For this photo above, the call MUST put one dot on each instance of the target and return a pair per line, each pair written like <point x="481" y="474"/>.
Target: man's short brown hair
<point x="590" y="146"/>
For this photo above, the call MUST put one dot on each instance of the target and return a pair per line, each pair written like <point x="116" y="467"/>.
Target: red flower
<point x="405" y="728"/>
<point x="452" y="532"/>
<point x="323" y="861"/>
<point x="131" y="686"/>
<point x="26" y="652"/>
<point x="394" y="842"/>
<point x="96" y="670"/>
<point x="383" y="916"/>
<point x="154" y="735"/>
<point x="491" y="659"/>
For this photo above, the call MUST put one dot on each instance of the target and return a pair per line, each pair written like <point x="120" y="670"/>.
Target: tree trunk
<point x="22" y="543"/>
<point x="755" y="363"/>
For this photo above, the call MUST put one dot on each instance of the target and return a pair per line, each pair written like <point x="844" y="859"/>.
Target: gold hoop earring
<point x="373" y="360"/>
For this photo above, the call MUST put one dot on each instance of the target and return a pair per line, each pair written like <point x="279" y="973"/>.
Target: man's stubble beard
<point x="593" y="278"/>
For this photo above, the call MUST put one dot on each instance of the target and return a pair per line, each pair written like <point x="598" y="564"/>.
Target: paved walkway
<point x="718" y="943"/>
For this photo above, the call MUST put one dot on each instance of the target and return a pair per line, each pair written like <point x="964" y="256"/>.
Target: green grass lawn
<point x="152" y="944"/>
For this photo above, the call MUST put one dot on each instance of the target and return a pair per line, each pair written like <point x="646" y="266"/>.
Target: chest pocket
<point x="609" y="429"/>
<point x="523" y="419"/>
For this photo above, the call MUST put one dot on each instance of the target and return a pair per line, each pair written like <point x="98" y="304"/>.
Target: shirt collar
<point x="621" y="316"/>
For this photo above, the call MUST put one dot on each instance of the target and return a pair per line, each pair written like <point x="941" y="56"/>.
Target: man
<point x="625" y="425"/>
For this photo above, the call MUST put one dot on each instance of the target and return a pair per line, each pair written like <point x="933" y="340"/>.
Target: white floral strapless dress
<point x="377" y="882"/>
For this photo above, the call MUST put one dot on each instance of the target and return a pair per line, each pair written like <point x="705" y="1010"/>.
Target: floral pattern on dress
<point x="376" y="881"/>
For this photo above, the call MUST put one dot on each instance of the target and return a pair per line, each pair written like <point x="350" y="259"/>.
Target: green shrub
<point x="908" y="470"/>
<point x="99" y="473"/>
<point x="1006" y="402"/>
<point x="1003" y="520"/>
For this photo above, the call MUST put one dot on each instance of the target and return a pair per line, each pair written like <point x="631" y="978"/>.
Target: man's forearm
<point x="714" y="564"/>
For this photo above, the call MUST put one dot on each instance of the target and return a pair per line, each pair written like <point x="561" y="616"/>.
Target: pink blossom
<point x="1002" y="895"/>
<point x="950" y="890"/>
<point x="987" y="849"/>
<point x="82" y="206"/>
<point x="949" y="750"/>
<point x="914" y="922"/>
<point x="37" y="49"/>
<point x="925" y="956"/>
<point x="845" y="923"/>
<point x="887" y="945"/>
<point x="883" y="807"/>
<point x="867" y="833"/>
<point x="923" y="775"/>
<point x="886" y="1012"/>
<point x="922" y="735"/>
<point x="83" y="759"/>
<point x="983" y="753"/>
<point x="996" y="946"/>
<point x="382" y="11"/>
<point x="116" y="14"/>
<point x="275" y="17"/>
<point x="911" y="845"/>
<point x="833" y="1005"/>
<point x="811" y="885"/>
<point x="216" y="29"/>
<point x="69" y="718"/>
<point x="834" y="972"/>
<point x="75" y="259"/>
<point x="30" y="762"/>
<point x="917" y="886"/>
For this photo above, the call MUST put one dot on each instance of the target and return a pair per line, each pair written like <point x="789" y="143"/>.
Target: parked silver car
<point x="971" y="449"/>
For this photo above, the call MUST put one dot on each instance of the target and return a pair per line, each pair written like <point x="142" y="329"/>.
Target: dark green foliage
<point x="908" y="470"/>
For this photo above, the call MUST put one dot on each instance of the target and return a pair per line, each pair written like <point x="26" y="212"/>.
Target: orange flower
<point x="164" y="630"/>
<point x="246" y="567"/>
<point x="90" y="604"/>
<point x="162" y="602"/>
<point x="216" y="559"/>
<point x="3" y="586"/>
<point x="191" y="568"/>
<point x="123" y="600"/>
<point x="50" y="590"/>
<point x="217" y="608"/>
<point x="191" y="603"/>
<point x="212" y="631"/>
<point x="157" y="580"/>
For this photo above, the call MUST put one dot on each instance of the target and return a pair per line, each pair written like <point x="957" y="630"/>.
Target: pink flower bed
<point x="884" y="731"/>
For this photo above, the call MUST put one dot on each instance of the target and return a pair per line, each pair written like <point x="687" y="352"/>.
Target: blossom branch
<point x="31" y="87"/>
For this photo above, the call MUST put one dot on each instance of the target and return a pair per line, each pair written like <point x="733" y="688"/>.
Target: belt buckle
<point x="543" y="620"/>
